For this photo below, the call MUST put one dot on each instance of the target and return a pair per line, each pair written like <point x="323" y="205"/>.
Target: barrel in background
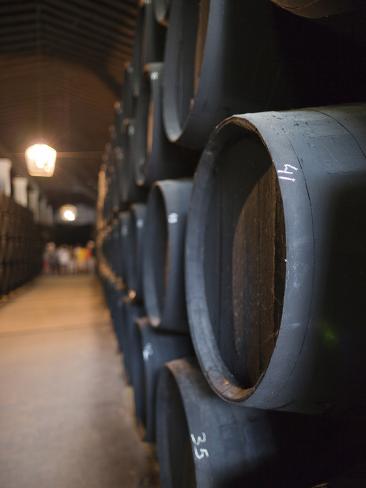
<point x="163" y="254"/>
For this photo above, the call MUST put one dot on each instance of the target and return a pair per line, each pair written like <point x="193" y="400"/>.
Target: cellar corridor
<point x="66" y="412"/>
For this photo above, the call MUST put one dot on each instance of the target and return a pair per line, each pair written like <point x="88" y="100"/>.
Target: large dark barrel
<point x="113" y="180"/>
<point x="128" y="98"/>
<point x="20" y="245"/>
<point x="136" y="368"/>
<point x="124" y="250"/>
<point x="226" y="57"/>
<point x="118" y="317"/>
<point x="106" y="207"/>
<point x="108" y="245"/>
<point x="135" y="232"/>
<point x="114" y="158"/>
<point x="149" y="44"/>
<point x="204" y="442"/>
<point x="163" y="254"/>
<point x="118" y="123"/>
<point x="115" y="300"/>
<point x="276" y="259"/>
<point x="129" y="192"/>
<point x="161" y="10"/>
<point x="138" y="379"/>
<point x="154" y="37"/>
<point x="157" y="348"/>
<point x="155" y="157"/>
<point x="118" y="156"/>
<point x="350" y="481"/>
<point x="113" y="243"/>
<point x="112" y="297"/>
<point x="130" y="338"/>
<point x="137" y="53"/>
<point x="318" y="8"/>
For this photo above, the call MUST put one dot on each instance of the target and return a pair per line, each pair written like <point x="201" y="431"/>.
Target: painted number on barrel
<point x="148" y="351"/>
<point x="173" y="218"/>
<point x="199" y="452"/>
<point x="288" y="172"/>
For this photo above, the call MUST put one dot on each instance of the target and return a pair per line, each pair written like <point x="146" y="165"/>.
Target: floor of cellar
<point x="66" y="413"/>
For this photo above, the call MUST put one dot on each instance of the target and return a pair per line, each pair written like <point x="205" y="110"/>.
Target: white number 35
<point x="199" y="452"/>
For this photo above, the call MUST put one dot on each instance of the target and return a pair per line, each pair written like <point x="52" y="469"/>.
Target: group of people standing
<point x="66" y="259"/>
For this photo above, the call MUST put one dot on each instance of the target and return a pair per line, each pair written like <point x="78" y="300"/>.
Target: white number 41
<point x="199" y="452"/>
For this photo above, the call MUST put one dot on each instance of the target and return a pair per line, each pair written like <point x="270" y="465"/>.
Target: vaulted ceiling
<point x="61" y="70"/>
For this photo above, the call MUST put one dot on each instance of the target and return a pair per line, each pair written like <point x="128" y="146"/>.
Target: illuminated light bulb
<point x="41" y="160"/>
<point x="68" y="213"/>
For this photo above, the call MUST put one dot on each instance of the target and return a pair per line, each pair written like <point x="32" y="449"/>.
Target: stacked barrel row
<point x="232" y="248"/>
<point x="20" y="245"/>
<point x="25" y="221"/>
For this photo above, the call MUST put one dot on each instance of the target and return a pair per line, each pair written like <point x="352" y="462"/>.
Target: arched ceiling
<point x="61" y="68"/>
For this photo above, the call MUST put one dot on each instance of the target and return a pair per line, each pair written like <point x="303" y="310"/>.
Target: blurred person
<point x="90" y="262"/>
<point x="63" y="256"/>
<point x="50" y="259"/>
<point x="72" y="267"/>
<point x="81" y="256"/>
<point x="45" y="266"/>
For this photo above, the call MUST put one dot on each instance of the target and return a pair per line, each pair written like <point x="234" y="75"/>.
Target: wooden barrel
<point x="115" y="300"/>
<point x="163" y="254"/>
<point x="136" y="237"/>
<point x="204" y="442"/>
<point x="154" y="156"/>
<point x="251" y="56"/>
<point x="153" y="37"/>
<point x="20" y="245"/>
<point x="276" y="259"/>
<point x="124" y="249"/>
<point x="148" y="46"/>
<point x="161" y="10"/>
<point x="128" y="97"/>
<point x="157" y="348"/>
<point x="129" y="192"/>
<point x="113" y="180"/>
<point x="113" y="250"/>
<point x="118" y="122"/>
<point x="137" y="53"/>
<point x="131" y="348"/>
<point x="118" y="317"/>
<point x="113" y="157"/>
<point x="113" y="176"/>
<point x="318" y="8"/>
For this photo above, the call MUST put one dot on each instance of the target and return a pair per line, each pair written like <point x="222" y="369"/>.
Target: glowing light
<point x="68" y="213"/>
<point x="41" y="160"/>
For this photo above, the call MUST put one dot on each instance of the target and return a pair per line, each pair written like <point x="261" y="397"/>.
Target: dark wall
<point x="73" y="234"/>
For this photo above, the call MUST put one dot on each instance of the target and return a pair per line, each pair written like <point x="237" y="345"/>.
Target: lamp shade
<point x="5" y="176"/>
<point x="20" y="189"/>
<point x="41" y="160"/>
<point x="68" y="213"/>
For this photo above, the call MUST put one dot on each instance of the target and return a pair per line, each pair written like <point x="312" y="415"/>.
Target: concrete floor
<point x="66" y="416"/>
